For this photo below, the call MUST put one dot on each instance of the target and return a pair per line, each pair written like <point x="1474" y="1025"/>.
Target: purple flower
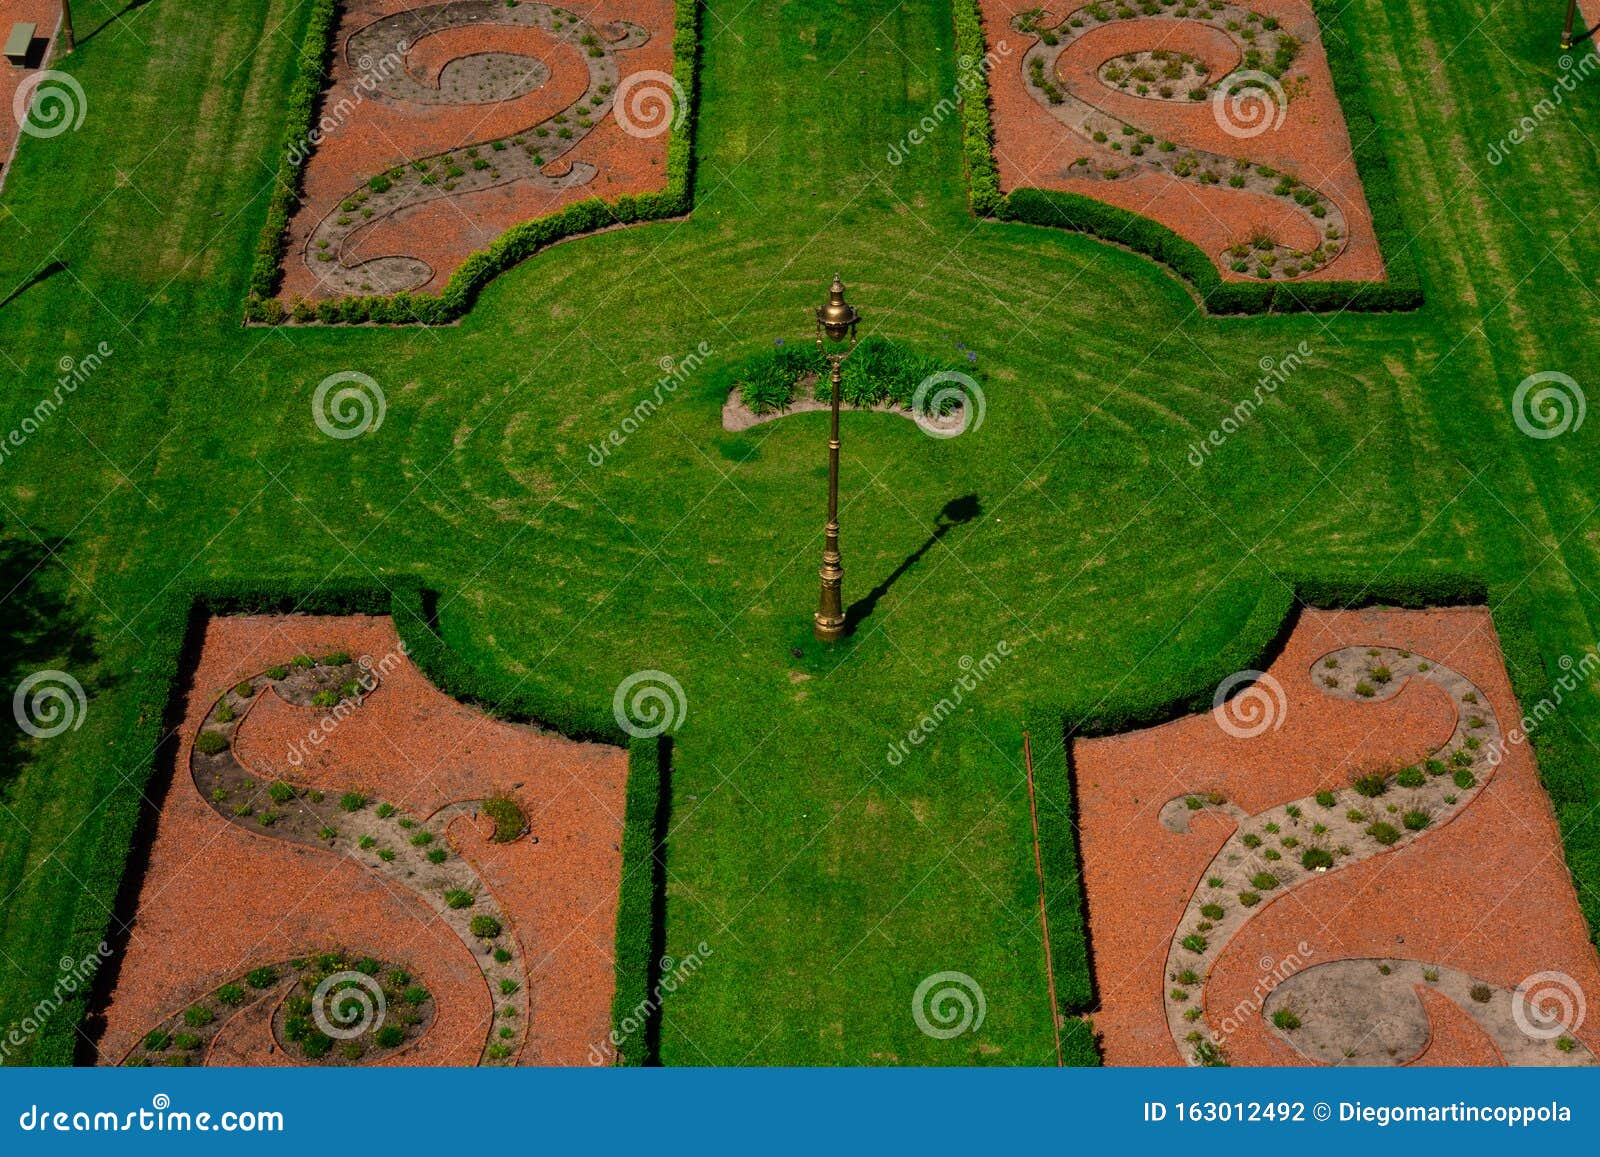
<point x="777" y="341"/>
<point x="971" y="356"/>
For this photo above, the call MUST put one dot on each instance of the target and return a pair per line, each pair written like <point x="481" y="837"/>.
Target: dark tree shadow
<point x="956" y="512"/>
<point x="39" y="630"/>
<point x="131" y="6"/>
<point x="44" y="273"/>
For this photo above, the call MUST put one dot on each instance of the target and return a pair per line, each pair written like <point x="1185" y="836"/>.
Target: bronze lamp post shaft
<point x="837" y="320"/>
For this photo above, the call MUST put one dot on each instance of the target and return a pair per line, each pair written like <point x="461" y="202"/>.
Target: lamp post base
<point x="827" y="630"/>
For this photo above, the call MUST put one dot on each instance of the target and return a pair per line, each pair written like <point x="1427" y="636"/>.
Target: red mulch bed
<point x="1487" y="893"/>
<point x="46" y="14"/>
<point x="379" y="136"/>
<point x="218" y="900"/>
<point x="1033" y="149"/>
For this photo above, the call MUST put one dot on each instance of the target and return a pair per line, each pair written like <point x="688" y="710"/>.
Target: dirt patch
<point x="1371" y="1012"/>
<point x="1243" y="150"/>
<point x="375" y="839"/>
<point x="1199" y="910"/>
<point x="446" y="124"/>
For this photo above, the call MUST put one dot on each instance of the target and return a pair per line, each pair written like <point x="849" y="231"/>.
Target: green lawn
<point x="826" y="881"/>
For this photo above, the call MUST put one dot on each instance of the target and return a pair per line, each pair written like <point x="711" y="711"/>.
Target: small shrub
<point x="1431" y="975"/>
<point x="416" y="995"/>
<point x="317" y="1045"/>
<point x="1384" y="833"/>
<point x="1355" y="815"/>
<point x="389" y="1036"/>
<point x="245" y="689"/>
<point x="386" y="855"/>
<point x="1371" y="785"/>
<point x="230" y="995"/>
<point x="485" y="927"/>
<point x="198" y="1015"/>
<point x="1249" y="899"/>
<point x="1251" y="840"/>
<point x="1263" y="881"/>
<point x="1465" y="779"/>
<point x="210" y="743"/>
<point x="1416" y="819"/>
<point x="1566" y="1044"/>
<point x="502" y="956"/>
<point x="261" y="977"/>
<point x="1314" y="858"/>
<point x="1325" y="799"/>
<point x="1215" y="882"/>
<point x="1411" y="777"/>
<point x="187" y="1041"/>
<point x="1194" y="803"/>
<point x="155" y="1040"/>
<point x="437" y="855"/>
<point x="1365" y="689"/>
<point x="352" y="801"/>
<point x="1212" y="911"/>
<point x="508" y="986"/>
<point x="367" y="843"/>
<point x="385" y="810"/>
<point x="458" y="898"/>
<point x="422" y="839"/>
<point x="1285" y="1019"/>
<point x="1481" y="993"/>
<point x="509" y="820"/>
<point x="281" y="792"/>
<point x="1179" y="994"/>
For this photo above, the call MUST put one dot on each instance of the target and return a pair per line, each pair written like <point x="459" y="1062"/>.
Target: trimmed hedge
<point x="1181" y="689"/>
<point x="512" y="247"/>
<point x="1402" y="290"/>
<point x="158" y="686"/>
<point x="305" y="97"/>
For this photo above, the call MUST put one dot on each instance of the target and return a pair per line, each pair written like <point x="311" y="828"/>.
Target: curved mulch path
<point x="1486" y="894"/>
<point x="218" y="899"/>
<point x="416" y="236"/>
<point x="1033" y="148"/>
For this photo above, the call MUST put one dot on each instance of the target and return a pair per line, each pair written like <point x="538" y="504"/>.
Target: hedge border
<point x="511" y="248"/>
<point x="1078" y="213"/>
<point x="1187" y="690"/>
<point x="159" y="686"/>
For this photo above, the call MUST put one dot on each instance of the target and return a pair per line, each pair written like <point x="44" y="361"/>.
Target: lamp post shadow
<point x="956" y="512"/>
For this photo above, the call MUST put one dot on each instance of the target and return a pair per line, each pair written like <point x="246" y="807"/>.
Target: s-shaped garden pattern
<point x="1247" y="96"/>
<point x="414" y="854"/>
<point x="1289" y="846"/>
<point x="531" y="154"/>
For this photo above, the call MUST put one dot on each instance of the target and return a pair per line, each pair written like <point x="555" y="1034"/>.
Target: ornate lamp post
<point x="1566" y="32"/>
<point x="66" y="26"/>
<point x="837" y="321"/>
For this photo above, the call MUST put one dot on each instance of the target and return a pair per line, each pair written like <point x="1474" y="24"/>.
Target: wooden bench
<point x="20" y="43"/>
